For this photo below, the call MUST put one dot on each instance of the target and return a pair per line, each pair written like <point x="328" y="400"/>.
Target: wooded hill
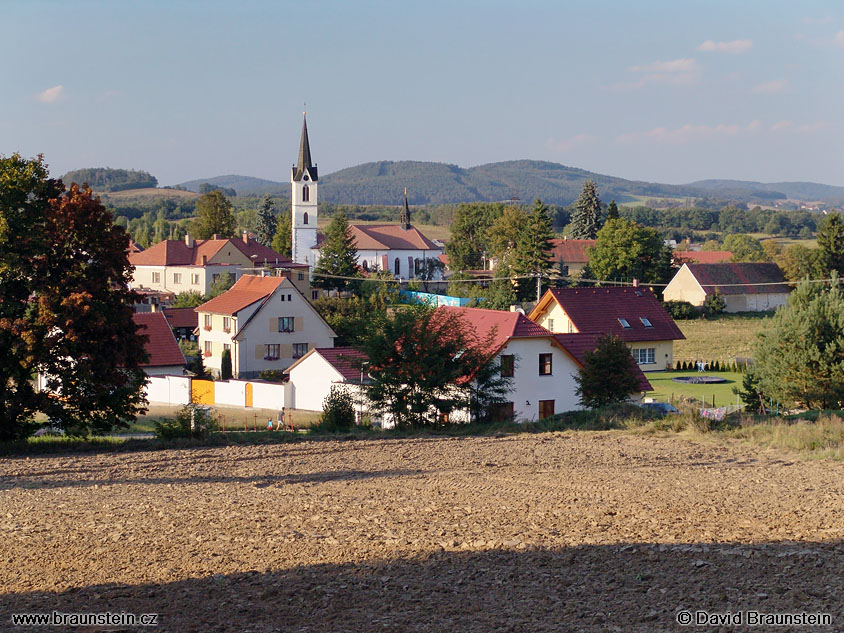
<point x="108" y="179"/>
<point x="383" y="183"/>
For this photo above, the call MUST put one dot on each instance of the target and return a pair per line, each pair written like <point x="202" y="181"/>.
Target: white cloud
<point x="771" y="87"/>
<point x="839" y="39"/>
<point x="566" y="145"/>
<point x="802" y="128"/>
<point x="688" y="133"/>
<point x="734" y="46"/>
<point x="674" y="66"/>
<point x="51" y="94"/>
<point x="824" y="20"/>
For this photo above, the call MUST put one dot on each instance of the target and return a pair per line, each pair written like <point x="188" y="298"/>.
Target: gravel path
<point x="552" y="532"/>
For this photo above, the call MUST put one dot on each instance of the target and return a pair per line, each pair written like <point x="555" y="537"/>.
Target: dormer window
<point x="646" y="322"/>
<point x="306" y="194"/>
<point x="624" y="323"/>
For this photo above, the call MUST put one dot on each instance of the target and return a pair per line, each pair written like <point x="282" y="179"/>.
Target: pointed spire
<point x="304" y="163"/>
<point x="404" y="220"/>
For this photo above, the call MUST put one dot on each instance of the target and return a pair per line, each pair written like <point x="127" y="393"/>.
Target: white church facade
<point x="401" y="248"/>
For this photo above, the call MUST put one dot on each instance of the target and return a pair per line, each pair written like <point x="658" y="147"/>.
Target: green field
<point x="721" y="338"/>
<point x="666" y="390"/>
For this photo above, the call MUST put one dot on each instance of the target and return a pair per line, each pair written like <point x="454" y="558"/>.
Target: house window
<point x="194" y="279"/>
<point x="299" y="349"/>
<point x="215" y="278"/>
<point x="551" y="324"/>
<point x="227" y="324"/>
<point x="365" y="265"/>
<point x="502" y="411"/>
<point x="398" y="267"/>
<point x="301" y="276"/>
<point x="285" y="324"/>
<point x="545" y="364"/>
<point x="306" y="196"/>
<point x="156" y="278"/>
<point x="646" y="322"/>
<point x="227" y="347"/>
<point x="272" y="351"/>
<point x="207" y="322"/>
<point x="624" y="323"/>
<point x="508" y="365"/>
<point x="644" y="355"/>
<point x="571" y="328"/>
<point x="546" y="409"/>
<point x="282" y="297"/>
<point x="314" y="294"/>
<point x="207" y="349"/>
<point x="177" y="278"/>
<point x="305" y="218"/>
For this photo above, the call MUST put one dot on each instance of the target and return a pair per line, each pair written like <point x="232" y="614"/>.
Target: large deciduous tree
<point x="469" y="245"/>
<point x="214" y="216"/>
<point x="338" y="256"/>
<point x="608" y="375"/>
<point x="65" y="308"/>
<point x="626" y="250"/>
<point x="586" y="219"/>
<point x="745" y="248"/>
<point x="283" y="238"/>
<point x="799" y="356"/>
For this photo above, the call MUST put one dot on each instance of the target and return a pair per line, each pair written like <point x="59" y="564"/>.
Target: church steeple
<point x="404" y="219"/>
<point x="304" y="164"/>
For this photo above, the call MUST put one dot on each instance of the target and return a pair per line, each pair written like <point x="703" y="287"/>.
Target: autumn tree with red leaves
<point x="65" y="307"/>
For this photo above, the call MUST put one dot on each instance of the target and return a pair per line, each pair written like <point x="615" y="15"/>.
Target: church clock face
<point x="305" y="177"/>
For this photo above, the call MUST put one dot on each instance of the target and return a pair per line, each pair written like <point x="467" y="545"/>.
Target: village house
<point x="745" y="287"/>
<point x="632" y="313"/>
<point x="679" y="257"/>
<point x="165" y="356"/>
<point x="265" y="322"/>
<point x="176" y="266"/>
<point x="570" y="253"/>
<point x="183" y="322"/>
<point x="312" y="376"/>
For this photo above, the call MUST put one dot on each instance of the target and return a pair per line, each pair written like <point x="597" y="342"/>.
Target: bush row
<point x="715" y="365"/>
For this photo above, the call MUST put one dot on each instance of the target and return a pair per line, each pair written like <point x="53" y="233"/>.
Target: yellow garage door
<point x="202" y="391"/>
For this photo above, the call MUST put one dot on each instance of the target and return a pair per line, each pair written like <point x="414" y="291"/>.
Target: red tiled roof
<point x="380" y="237"/>
<point x="570" y="251"/>
<point x="182" y="317"/>
<point x="506" y="325"/>
<point x="177" y="253"/>
<point x="701" y="257"/>
<point x="133" y="247"/>
<point x="246" y="291"/>
<point x="720" y="277"/>
<point x="578" y="344"/>
<point x="598" y="310"/>
<point x="162" y="347"/>
<point x="344" y="359"/>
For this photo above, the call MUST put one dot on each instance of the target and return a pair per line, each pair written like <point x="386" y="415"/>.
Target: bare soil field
<point x="549" y="532"/>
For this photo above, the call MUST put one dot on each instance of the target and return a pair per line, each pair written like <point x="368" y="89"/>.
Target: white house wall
<point x="268" y="395"/>
<point x="168" y="389"/>
<point x="311" y="381"/>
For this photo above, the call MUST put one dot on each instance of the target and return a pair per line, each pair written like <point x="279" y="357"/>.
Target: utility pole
<point x="538" y="287"/>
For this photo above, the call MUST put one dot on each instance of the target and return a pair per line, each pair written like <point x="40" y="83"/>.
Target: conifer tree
<point x="831" y="243"/>
<point x="338" y="256"/>
<point x="612" y="211"/>
<point x="586" y="219"/>
<point x="267" y="221"/>
<point x="533" y="248"/>
<point x="608" y="375"/>
<point x="283" y="239"/>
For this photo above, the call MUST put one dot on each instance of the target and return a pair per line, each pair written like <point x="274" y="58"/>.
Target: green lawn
<point x="720" y="338"/>
<point x="665" y="389"/>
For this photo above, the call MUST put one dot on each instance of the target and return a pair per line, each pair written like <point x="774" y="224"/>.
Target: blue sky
<point x="660" y="91"/>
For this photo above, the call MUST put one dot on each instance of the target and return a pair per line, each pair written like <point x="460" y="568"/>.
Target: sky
<point x="660" y="91"/>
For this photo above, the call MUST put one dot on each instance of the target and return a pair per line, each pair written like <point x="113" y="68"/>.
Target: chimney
<point x="245" y="238"/>
<point x="635" y="283"/>
<point x="188" y="240"/>
<point x="215" y="237"/>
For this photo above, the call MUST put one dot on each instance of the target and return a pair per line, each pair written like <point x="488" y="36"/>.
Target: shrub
<point x="272" y="375"/>
<point x="714" y="304"/>
<point x="191" y="421"/>
<point x="226" y="365"/>
<point x="681" y="309"/>
<point x="338" y="411"/>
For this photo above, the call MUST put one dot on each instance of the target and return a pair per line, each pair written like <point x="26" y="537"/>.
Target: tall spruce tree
<point x="586" y="220"/>
<point x="267" y="221"/>
<point x="608" y="375"/>
<point x="831" y="243"/>
<point x="533" y="249"/>
<point x="612" y="211"/>
<point x="338" y="256"/>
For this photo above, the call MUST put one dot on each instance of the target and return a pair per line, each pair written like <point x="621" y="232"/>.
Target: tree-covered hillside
<point x="108" y="179"/>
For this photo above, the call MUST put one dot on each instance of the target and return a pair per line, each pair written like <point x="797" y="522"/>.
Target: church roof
<point x="382" y="237"/>
<point x="304" y="163"/>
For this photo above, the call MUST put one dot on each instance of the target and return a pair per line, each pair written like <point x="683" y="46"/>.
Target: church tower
<point x="304" y="203"/>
